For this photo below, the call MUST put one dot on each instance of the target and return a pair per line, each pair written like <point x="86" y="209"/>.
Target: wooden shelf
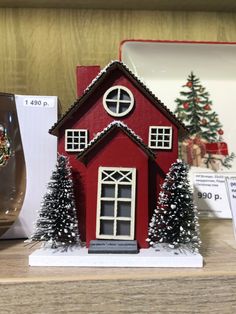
<point x="88" y="290"/>
<point x="40" y="48"/>
<point x="163" y="5"/>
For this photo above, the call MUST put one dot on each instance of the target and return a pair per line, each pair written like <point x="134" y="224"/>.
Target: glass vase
<point x="12" y="163"/>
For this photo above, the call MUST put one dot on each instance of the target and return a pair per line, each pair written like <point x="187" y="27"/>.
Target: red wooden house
<point x="121" y="141"/>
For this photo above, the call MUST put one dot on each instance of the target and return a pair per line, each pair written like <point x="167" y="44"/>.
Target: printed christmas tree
<point x="194" y="108"/>
<point x="57" y="221"/>
<point x="175" y="220"/>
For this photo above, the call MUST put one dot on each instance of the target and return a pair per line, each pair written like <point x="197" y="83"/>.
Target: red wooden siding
<point x="119" y="151"/>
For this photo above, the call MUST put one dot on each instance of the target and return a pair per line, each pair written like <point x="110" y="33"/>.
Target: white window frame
<point x="115" y="218"/>
<point x="157" y="128"/>
<point x="85" y="136"/>
<point x="118" y="101"/>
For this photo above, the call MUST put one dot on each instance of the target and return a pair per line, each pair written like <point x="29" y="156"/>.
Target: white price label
<point x="42" y="102"/>
<point x="210" y="195"/>
<point x="231" y="186"/>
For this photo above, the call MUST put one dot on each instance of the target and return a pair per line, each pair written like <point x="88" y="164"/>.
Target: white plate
<point x="164" y="67"/>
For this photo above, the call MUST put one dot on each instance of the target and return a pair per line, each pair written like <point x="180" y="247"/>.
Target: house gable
<point x="105" y="79"/>
<point x="111" y="128"/>
<point x="92" y="116"/>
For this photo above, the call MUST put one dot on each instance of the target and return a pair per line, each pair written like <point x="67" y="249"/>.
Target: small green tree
<point x="57" y="222"/>
<point x="175" y="220"/>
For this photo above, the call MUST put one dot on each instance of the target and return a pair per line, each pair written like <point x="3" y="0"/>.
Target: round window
<point x="118" y="101"/>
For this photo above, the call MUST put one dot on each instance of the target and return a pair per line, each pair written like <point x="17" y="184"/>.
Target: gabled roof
<point x="101" y="77"/>
<point x="114" y="125"/>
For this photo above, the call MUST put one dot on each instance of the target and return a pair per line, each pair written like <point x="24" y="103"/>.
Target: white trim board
<point x="116" y="183"/>
<point x="79" y="257"/>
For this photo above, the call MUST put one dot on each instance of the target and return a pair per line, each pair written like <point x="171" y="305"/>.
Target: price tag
<point x="210" y="195"/>
<point x="231" y="187"/>
<point x="42" y="102"/>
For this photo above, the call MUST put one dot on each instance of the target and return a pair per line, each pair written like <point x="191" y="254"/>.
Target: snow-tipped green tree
<point x="175" y="220"/>
<point x="57" y="221"/>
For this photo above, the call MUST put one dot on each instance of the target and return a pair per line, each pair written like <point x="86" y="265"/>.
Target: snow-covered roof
<point x="99" y="79"/>
<point x="126" y="129"/>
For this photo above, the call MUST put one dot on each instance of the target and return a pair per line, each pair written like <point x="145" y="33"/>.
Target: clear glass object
<point x="12" y="163"/>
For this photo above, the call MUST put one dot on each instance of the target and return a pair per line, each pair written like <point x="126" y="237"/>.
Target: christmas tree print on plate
<point x="206" y="147"/>
<point x="165" y="66"/>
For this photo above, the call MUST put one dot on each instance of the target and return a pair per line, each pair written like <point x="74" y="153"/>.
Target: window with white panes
<point x="160" y="137"/>
<point x="116" y="203"/>
<point x="76" y="140"/>
<point x="118" y="101"/>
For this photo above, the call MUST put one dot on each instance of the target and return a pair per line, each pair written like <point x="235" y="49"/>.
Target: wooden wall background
<point x="40" y="48"/>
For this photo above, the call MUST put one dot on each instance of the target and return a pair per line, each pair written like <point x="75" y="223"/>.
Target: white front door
<point x="116" y="203"/>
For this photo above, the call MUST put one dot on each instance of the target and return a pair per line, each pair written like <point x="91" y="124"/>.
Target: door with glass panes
<point x="116" y="203"/>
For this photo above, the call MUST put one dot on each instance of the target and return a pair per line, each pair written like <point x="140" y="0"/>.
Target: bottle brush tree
<point x="175" y="220"/>
<point x="57" y="222"/>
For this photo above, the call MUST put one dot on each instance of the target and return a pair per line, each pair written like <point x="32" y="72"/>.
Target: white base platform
<point x="161" y="256"/>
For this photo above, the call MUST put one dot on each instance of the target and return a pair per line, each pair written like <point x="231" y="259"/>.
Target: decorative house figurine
<point x="121" y="141"/>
